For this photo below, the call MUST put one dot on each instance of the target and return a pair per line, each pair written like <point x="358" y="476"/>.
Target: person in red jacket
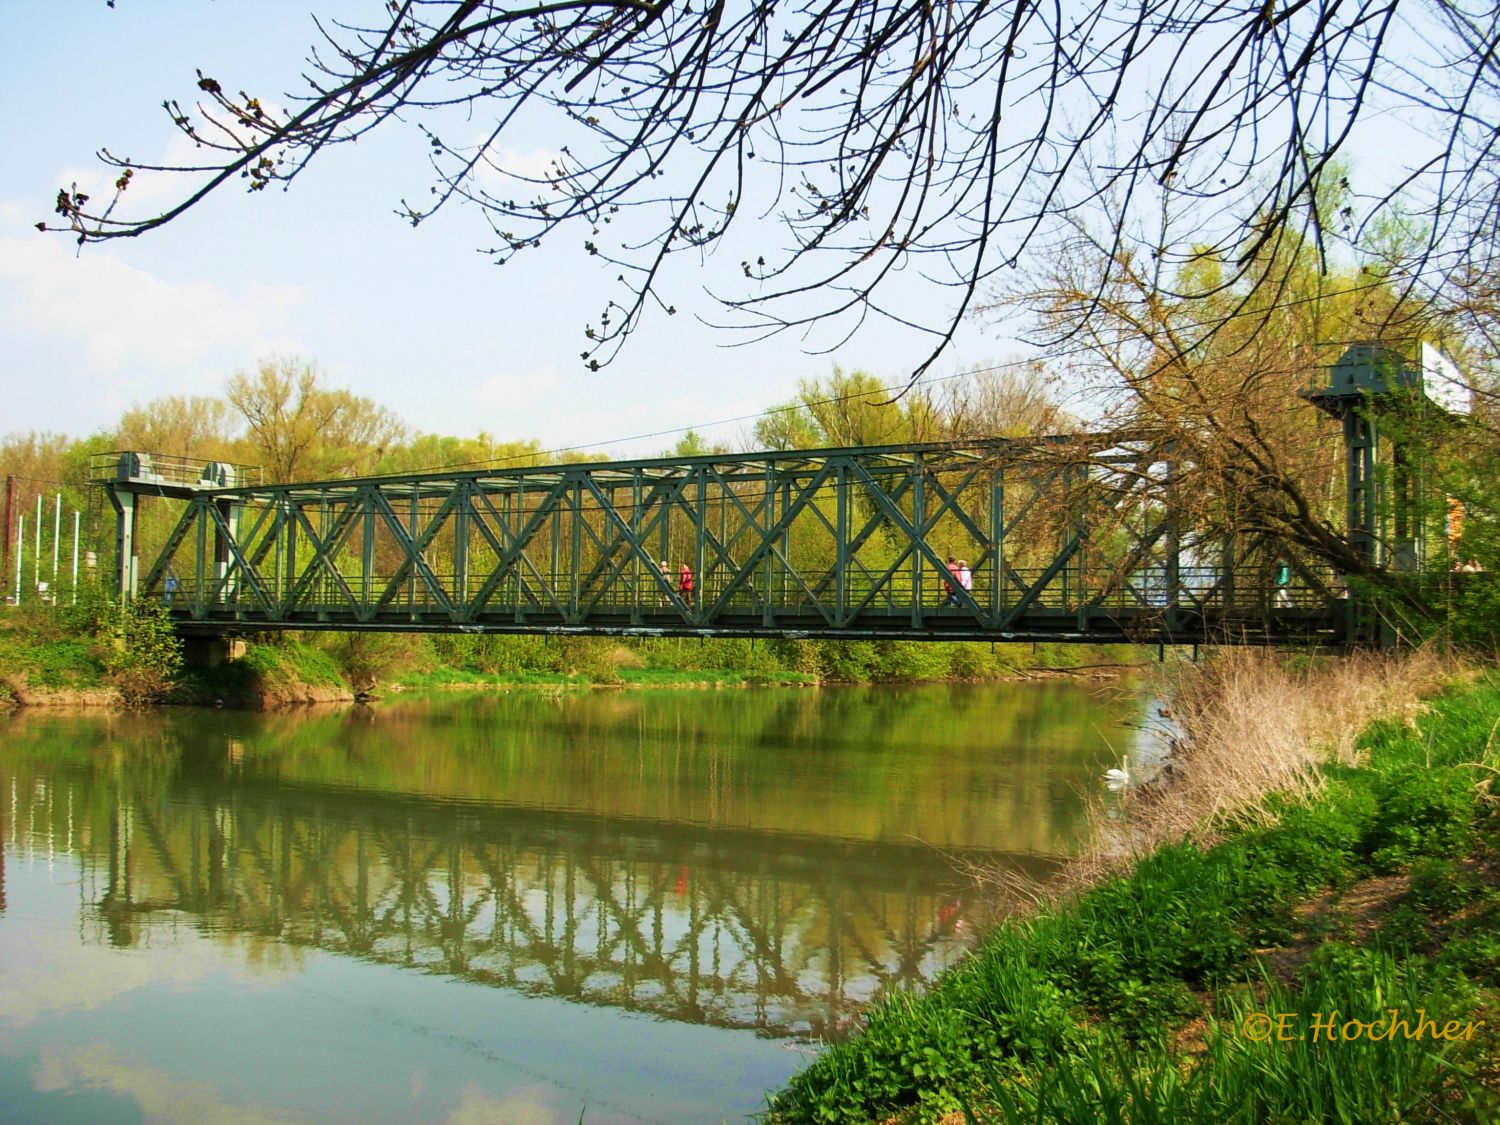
<point x="685" y="583"/>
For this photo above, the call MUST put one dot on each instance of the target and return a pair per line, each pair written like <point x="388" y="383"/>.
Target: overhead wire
<point x="898" y="388"/>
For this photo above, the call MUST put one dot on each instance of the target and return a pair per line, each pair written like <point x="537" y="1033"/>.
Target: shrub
<point x="149" y="657"/>
<point x="847" y="660"/>
<point x="594" y="658"/>
<point x="365" y="658"/>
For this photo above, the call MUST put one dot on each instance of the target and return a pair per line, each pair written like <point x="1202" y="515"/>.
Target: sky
<point x="415" y="319"/>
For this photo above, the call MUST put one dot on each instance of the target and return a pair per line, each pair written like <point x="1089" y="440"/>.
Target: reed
<point x="1253" y="731"/>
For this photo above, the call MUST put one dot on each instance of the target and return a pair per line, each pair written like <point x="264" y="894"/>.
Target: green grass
<point x="1331" y="1052"/>
<point x="1071" y="1015"/>
<point x="46" y="648"/>
<point x="440" y="677"/>
<point x="64" y="664"/>
<point x="311" y="665"/>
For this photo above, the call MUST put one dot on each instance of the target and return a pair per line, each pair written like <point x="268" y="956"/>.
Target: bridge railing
<point x="810" y="595"/>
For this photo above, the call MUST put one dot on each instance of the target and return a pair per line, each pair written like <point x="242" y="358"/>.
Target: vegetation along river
<point x="643" y="906"/>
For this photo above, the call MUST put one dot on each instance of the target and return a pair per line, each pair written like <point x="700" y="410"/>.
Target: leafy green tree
<point x="197" y="426"/>
<point x="1208" y="361"/>
<point x="302" y="430"/>
<point x="694" y="444"/>
<point x="788" y="425"/>
<point x="444" y="451"/>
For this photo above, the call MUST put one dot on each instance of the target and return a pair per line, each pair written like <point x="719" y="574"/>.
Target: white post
<point x="75" y="556"/>
<point x="56" y="539"/>
<point x="20" y="550"/>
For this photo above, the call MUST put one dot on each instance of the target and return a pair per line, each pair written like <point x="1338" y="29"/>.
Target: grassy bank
<point x="441" y="660"/>
<point x="266" y="675"/>
<point x="68" y="654"/>
<point x="1201" y="983"/>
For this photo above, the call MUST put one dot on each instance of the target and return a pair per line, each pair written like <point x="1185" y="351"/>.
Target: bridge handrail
<point x="118" y="465"/>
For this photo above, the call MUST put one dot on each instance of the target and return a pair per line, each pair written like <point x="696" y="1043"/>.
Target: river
<point x="634" y="906"/>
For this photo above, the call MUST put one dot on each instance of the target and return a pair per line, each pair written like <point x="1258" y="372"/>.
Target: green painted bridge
<point x="1065" y="539"/>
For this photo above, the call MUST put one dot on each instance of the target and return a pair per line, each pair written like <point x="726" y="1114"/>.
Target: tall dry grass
<point x="1250" y="724"/>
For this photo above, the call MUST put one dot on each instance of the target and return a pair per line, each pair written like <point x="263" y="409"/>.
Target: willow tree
<point x="299" y="429"/>
<point x="1208" y="363"/>
<point x="846" y="153"/>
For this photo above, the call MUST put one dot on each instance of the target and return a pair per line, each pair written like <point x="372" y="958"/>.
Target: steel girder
<point x="1067" y="539"/>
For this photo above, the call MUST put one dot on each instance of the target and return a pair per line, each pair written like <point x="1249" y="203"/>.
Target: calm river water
<point x="641" y="906"/>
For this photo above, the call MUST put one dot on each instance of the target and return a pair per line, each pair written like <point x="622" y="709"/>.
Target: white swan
<point x="1117" y="779"/>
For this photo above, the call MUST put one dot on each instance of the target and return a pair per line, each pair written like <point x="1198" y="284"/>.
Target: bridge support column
<point x="126" y="562"/>
<point x="210" y="651"/>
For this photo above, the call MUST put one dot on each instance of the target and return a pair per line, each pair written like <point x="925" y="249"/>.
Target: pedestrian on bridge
<point x="685" y="583"/>
<point x="1283" y="580"/>
<point x="953" y="583"/>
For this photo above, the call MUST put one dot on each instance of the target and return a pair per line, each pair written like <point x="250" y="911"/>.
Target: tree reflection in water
<point x="535" y="848"/>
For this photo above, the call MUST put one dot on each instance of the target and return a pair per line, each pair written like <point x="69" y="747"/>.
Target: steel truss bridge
<point x="695" y="924"/>
<point x="1067" y="539"/>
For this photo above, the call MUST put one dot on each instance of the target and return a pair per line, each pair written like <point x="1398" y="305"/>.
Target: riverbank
<point x="66" y="657"/>
<point x="1327" y="950"/>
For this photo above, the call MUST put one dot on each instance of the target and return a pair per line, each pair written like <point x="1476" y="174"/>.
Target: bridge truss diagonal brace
<point x="635" y="541"/>
<point x="768" y="539"/>
<point x="413" y="551"/>
<point x="515" y="550"/>
<point x="918" y="537"/>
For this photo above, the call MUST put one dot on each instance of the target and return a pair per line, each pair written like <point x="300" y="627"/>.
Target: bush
<point x="849" y="661"/>
<point x="594" y="658"/>
<point x="1474" y="621"/>
<point x="1441" y="886"/>
<point x="368" y="657"/>
<point x="149" y="658"/>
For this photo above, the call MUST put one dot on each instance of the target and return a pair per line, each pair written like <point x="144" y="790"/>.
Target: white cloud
<point x="160" y="1097"/>
<point x="134" y="333"/>
<point x="520" y="1107"/>
<point x="505" y="169"/>
<point x="61" y="975"/>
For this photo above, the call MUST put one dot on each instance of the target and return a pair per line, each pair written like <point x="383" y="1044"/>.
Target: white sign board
<point x="1444" y="383"/>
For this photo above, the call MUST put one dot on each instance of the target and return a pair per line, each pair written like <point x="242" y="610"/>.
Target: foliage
<point x="528" y="658"/>
<point x="1238" y="1078"/>
<point x="302" y="430"/>
<point x="366" y="658"/>
<point x="147" y="661"/>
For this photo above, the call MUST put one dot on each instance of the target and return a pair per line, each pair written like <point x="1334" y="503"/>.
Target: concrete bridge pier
<point x="210" y="650"/>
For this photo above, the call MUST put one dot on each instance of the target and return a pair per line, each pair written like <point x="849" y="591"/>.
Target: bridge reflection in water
<point x="709" y="923"/>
